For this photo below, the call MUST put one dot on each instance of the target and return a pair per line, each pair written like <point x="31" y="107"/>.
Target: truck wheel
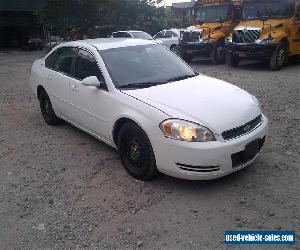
<point x="217" y="54"/>
<point x="187" y="58"/>
<point x="279" y="57"/>
<point x="232" y="60"/>
<point x="174" y="49"/>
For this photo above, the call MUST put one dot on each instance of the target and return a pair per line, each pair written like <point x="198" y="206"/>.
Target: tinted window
<point x="161" y="34"/>
<point x="86" y="66"/>
<point x="171" y="33"/>
<point x="64" y="59"/>
<point x="49" y="60"/>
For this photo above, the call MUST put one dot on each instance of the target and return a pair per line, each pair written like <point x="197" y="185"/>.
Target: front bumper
<point x="251" y="51"/>
<point x="206" y="160"/>
<point x="196" y="49"/>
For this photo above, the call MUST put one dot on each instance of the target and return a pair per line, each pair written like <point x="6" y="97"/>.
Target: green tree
<point x="84" y="15"/>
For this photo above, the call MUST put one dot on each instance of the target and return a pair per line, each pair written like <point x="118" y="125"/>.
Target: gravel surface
<point x="61" y="188"/>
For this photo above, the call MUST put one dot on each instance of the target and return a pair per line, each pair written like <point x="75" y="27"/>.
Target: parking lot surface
<point x="61" y="188"/>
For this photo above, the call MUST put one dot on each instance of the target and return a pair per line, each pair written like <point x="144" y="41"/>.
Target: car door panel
<point x="88" y="103"/>
<point x="58" y="80"/>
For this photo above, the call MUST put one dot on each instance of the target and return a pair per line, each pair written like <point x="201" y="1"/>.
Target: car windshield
<point x="212" y="13"/>
<point x="267" y="9"/>
<point x="144" y="66"/>
<point x="141" y="35"/>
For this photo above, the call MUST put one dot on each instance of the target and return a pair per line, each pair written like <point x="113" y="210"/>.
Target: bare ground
<point x="61" y="188"/>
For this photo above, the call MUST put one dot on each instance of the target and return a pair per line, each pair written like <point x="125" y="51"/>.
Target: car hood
<point x="213" y="103"/>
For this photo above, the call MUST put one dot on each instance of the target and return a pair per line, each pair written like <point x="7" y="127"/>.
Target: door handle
<point x="49" y="77"/>
<point x="75" y="88"/>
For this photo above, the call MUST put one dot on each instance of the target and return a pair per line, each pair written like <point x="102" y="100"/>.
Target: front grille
<point x="242" y="130"/>
<point x="245" y="36"/>
<point x="191" y="36"/>
<point x="198" y="169"/>
<point x="251" y="150"/>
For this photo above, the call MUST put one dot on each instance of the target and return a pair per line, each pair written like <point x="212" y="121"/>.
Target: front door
<point x="89" y="104"/>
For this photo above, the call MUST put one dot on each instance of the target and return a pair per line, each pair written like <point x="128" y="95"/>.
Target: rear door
<point x="58" y="79"/>
<point x="89" y="104"/>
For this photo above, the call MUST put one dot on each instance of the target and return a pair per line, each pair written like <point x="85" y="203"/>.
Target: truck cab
<point x="214" y="21"/>
<point x="269" y="31"/>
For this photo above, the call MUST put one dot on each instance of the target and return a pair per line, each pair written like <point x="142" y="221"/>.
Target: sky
<point x="169" y="2"/>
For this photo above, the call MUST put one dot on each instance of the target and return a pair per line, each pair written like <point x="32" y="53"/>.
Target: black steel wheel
<point x="47" y="110"/>
<point x="217" y="55"/>
<point x="136" y="152"/>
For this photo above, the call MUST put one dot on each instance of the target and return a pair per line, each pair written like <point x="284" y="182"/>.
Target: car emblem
<point x="245" y="31"/>
<point x="247" y="128"/>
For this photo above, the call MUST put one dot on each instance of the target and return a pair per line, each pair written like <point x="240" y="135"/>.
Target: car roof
<point x="109" y="43"/>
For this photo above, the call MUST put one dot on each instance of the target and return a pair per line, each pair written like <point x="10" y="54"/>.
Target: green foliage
<point x="107" y="15"/>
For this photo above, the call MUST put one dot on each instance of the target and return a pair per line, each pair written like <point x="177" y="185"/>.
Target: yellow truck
<point x="269" y="32"/>
<point x="214" y="21"/>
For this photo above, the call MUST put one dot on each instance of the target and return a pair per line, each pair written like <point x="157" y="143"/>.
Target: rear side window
<point x="64" y="59"/>
<point x="169" y="33"/>
<point x="86" y="66"/>
<point x="49" y="60"/>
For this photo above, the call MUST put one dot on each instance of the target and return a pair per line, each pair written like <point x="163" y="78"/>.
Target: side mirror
<point x="92" y="81"/>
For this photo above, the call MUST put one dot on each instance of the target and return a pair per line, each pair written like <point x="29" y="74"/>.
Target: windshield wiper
<point x="179" y="78"/>
<point x="139" y="85"/>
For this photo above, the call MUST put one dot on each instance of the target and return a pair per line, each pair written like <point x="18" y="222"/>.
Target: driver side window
<point x="86" y="65"/>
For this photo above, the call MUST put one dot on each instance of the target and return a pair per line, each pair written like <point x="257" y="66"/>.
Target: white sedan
<point x="143" y="100"/>
<point x="169" y="38"/>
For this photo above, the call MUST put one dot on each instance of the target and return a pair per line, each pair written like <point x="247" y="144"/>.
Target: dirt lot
<point x="61" y="188"/>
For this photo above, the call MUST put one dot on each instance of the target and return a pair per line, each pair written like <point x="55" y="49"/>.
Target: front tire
<point x="136" y="152"/>
<point x="217" y="54"/>
<point x="47" y="110"/>
<point x="279" y="57"/>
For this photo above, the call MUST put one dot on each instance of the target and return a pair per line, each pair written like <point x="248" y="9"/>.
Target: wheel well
<point x="117" y="127"/>
<point x="39" y="91"/>
<point x="173" y="45"/>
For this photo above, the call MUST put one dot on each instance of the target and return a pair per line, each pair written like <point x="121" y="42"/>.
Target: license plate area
<point x="248" y="154"/>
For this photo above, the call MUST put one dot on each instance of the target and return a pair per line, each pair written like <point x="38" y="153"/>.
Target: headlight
<point x="257" y="102"/>
<point x="186" y="131"/>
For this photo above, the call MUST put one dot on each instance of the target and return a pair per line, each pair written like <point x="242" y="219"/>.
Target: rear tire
<point x="47" y="110"/>
<point x="174" y="49"/>
<point x="136" y="152"/>
<point x="217" y="54"/>
<point x="279" y="57"/>
<point x="232" y="60"/>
